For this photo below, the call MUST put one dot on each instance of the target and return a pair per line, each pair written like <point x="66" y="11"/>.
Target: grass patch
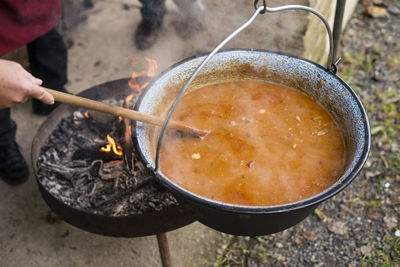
<point x="386" y="255"/>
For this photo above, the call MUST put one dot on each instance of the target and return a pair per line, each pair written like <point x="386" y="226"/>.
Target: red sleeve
<point x="22" y="21"/>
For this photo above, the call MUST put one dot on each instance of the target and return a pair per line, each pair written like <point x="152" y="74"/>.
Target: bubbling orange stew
<point x="269" y="145"/>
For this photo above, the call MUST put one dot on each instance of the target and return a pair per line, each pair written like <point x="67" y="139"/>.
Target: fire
<point x="86" y="114"/>
<point x="150" y="72"/>
<point x="133" y="61"/>
<point x="137" y="89"/>
<point x="128" y="133"/>
<point x="129" y="98"/>
<point x="145" y="85"/>
<point x="117" y="149"/>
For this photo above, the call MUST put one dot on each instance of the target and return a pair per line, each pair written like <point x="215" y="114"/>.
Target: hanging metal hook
<point x="264" y="3"/>
<point x="333" y="67"/>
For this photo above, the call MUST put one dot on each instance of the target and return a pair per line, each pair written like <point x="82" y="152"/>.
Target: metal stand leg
<point x="164" y="250"/>
<point x="337" y="26"/>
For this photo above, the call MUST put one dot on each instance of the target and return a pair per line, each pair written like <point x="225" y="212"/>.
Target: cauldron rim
<point x="332" y="190"/>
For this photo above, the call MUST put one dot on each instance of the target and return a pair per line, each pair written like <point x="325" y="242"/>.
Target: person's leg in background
<point x="13" y="168"/>
<point x="191" y="8"/>
<point x="48" y="62"/>
<point x="148" y="30"/>
<point x="190" y="21"/>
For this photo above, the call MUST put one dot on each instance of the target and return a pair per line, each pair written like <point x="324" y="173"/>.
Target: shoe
<point x="147" y="34"/>
<point x="13" y="167"/>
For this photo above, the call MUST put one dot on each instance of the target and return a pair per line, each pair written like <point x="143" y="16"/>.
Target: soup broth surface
<point x="269" y="145"/>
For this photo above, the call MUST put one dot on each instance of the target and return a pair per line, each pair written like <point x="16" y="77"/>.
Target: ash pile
<point x="88" y="163"/>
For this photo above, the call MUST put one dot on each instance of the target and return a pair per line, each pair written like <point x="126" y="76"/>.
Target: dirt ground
<point x="359" y="226"/>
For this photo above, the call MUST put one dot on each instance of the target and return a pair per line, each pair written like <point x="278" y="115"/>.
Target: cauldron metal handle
<point x="331" y="66"/>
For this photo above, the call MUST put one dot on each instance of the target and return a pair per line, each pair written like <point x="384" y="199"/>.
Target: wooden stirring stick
<point x="123" y="112"/>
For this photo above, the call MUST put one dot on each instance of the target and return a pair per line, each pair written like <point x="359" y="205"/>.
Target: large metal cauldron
<point x="233" y="65"/>
<point x="320" y="83"/>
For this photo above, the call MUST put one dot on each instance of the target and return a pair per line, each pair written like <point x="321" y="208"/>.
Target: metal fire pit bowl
<point x="152" y="223"/>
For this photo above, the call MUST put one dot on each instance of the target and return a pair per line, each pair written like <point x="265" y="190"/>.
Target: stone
<point x="376" y="12"/>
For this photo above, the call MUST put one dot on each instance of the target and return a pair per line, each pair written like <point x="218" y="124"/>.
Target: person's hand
<point x="16" y="85"/>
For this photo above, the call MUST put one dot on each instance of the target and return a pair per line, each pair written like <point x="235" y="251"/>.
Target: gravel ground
<point x="360" y="226"/>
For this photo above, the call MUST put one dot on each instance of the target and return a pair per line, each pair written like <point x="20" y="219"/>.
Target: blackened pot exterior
<point x="234" y="65"/>
<point x="244" y="224"/>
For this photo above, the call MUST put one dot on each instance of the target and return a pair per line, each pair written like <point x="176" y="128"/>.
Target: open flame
<point x="137" y="89"/>
<point x="150" y="72"/>
<point x="112" y="146"/>
<point x="86" y="114"/>
<point x="129" y="98"/>
<point x="134" y="85"/>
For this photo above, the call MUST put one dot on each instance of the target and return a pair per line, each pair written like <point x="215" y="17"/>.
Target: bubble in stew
<point x="269" y="145"/>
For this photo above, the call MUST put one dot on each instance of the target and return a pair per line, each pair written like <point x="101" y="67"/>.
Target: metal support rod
<point x="164" y="250"/>
<point x="337" y="25"/>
